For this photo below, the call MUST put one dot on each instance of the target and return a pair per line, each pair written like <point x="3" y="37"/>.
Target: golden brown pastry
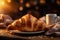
<point x="26" y="23"/>
<point x="41" y="23"/>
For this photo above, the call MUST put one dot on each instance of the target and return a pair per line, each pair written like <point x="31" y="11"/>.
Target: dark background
<point x="42" y="9"/>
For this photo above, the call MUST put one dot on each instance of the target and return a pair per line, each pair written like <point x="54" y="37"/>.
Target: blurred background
<point x="38" y="8"/>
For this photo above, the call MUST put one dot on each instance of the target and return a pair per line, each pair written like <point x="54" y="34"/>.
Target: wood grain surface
<point x="8" y="36"/>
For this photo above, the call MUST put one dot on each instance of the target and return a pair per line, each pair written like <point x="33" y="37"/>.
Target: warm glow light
<point x="2" y="3"/>
<point x="9" y="1"/>
<point x="4" y="7"/>
<point x="21" y="1"/>
<point x="27" y="5"/>
<point x="21" y="8"/>
<point x="58" y="2"/>
<point x="42" y="1"/>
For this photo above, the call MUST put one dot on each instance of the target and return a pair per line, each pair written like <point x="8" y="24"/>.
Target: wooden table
<point x="8" y="36"/>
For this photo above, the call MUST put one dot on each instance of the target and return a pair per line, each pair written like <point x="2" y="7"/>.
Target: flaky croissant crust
<point x="27" y="23"/>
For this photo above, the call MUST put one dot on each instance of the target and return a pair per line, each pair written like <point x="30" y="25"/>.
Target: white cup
<point x="50" y="19"/>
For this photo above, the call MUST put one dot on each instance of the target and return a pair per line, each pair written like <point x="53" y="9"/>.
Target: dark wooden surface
<point x="4" y="35"/>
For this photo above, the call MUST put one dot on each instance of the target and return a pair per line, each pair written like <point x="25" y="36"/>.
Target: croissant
<point x="41" y="23"/>
<point x="27" y="23"/>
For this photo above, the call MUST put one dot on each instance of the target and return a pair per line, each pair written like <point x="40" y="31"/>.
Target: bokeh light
<point x="27" y="4"/>
<point x="21" y="1"/>
<point x="42" y="1"/>
<point x="2" y="2"/>
<point x="4" y="6"/>
<point x="9" y="1"/>
<point x="35" y="3"/>
<point x="58" y="2"/>
<point x="21" y="8"/>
